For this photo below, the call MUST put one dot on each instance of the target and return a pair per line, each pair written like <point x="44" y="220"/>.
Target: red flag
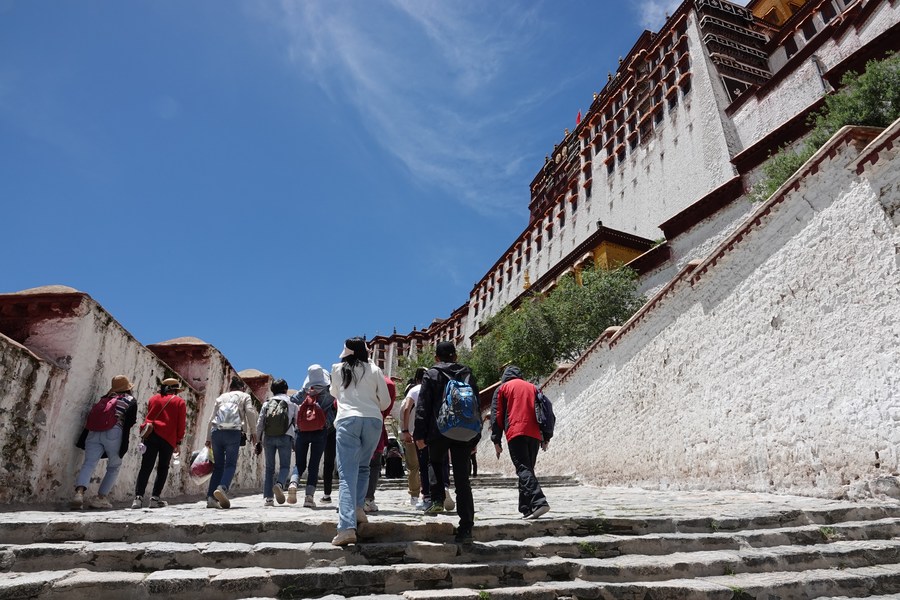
<point x="578" y="118"/>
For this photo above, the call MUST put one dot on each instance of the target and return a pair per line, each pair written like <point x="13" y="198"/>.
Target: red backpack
<point x="310" y="416"/>
<point x="103" y="415"/>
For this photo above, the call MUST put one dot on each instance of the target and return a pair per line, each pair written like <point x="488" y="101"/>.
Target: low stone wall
<point x="773" y="365"/>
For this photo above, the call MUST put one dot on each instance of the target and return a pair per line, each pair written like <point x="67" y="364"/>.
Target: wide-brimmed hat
<point x="171" y="383"/>
<point x="120" y="383"/>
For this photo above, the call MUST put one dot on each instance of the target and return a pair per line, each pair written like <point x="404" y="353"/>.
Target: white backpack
<point x="229" y="411"/>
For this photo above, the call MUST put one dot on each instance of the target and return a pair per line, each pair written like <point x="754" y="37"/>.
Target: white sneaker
<point x="370" y="506"/>
<point x="325" y="499"/>
<point x="269" y="503"/>
<point x="347" y="536"/>
<point x="309" y="502"/>
<point x="413" y="500"/>
<point x="423" y="503"/>
<point x="100" y="502"/>
<point x="292" y="493"/>
<point x="279" y="493"/>
<point x="77" y="500"/>
<point x="155" y="502"/>
<point x="137" y="503"/>
<point x="211" y="502"/>
<point x="222" y="497"/>
<point x="449" y="504"/>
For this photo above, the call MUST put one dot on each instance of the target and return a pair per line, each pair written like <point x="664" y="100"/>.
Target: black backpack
<point x="543" y="411"/>
<point x="277" y="421"/>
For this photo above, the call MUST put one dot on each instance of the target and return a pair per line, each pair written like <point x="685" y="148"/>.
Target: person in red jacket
<point x="512" y="410"/>
<point x="167" y="415"/>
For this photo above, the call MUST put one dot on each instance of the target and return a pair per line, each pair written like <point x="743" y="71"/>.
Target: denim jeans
<point x="283" y="444"/>
<point x="312" y="443"/>
<point x="96" y="443"/>
<point x="328" y="461"/>
<point x="356" y="439"/>
<point x="226" y="443"/>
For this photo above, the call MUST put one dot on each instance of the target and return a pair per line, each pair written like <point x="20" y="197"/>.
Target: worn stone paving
<point x="495" y="502"/>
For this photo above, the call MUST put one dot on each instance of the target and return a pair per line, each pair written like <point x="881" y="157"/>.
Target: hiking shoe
<point x="77" y="500"/>
<point x="326" y="499"/>
<point x="309" y="502"/>
<point x="347" y="536"/>
<point x="99" y="502"/>
<point x="423" y="503"/>
<point x="292" y="493"/>
<point x="436" y="508"/>
<point x="220" y="495"/>
<point x="137" y="503"/>
<point x="370" y="506"/>
<point x="155" y="502"/>
<point x="463" y="537"/>
<point x="361" y="516"/>
<point x="449" y="504"/>
<point x="540" y="510"/>
<point x="211" y="502"/>
<point x="269" y="503"/>
<point x="279" y="493"/>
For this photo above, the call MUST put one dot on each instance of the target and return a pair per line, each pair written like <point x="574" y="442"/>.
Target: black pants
<point x="459" y="455"/>
<point x="523" y="451"/>
<point x="156" y="448"/>
<point x="328" y="465"/>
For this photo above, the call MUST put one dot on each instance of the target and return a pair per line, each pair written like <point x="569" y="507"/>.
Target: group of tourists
<point x="339" y="416"/>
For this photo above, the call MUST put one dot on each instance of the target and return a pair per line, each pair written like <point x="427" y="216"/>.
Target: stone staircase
<point x="598" y="544"/>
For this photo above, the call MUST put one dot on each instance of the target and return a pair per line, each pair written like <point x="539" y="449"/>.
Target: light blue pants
<point x="357" y="438"/>
<point x="96" y="443"/>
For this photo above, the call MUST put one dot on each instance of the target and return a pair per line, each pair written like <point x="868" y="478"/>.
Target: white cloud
<point x="426" y="79"/>
<point x="653" y="12"/>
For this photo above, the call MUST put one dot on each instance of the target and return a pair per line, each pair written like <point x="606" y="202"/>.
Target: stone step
<point x="881" y="580"/>
<point x="292" y="524"/>
<point x="719" y="568"/>
<point x="147" y="556"/>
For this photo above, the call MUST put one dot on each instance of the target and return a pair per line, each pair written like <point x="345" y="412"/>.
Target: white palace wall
<point x="772" y="366"/>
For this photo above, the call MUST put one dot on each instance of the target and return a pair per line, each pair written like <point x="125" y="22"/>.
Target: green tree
<point x="406" y="366"/>
<point x="548" y="329"/>
<point x="871" y="98"/>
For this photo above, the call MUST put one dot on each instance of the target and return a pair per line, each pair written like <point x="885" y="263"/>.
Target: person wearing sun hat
<point x="166" y="419"/>
<point x="110" y="443"/>
<point x="362" y="395"/>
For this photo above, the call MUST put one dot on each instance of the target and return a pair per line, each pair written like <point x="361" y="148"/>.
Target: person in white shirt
<point x="416" y="481"/>
<point x="362" y="395"/>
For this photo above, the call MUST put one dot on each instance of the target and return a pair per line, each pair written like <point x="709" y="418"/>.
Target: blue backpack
<point x="543" y="412"/>
<point x="459" y="417"/>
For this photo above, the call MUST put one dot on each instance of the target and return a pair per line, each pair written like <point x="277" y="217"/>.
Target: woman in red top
<point x="167" y="413"/>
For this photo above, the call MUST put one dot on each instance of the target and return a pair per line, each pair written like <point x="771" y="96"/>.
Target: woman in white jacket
<point x="362" y="395"/>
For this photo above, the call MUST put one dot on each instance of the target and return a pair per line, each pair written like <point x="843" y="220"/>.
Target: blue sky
<point x="273" y="177"/>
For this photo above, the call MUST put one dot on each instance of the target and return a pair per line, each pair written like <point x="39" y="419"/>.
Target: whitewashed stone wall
<point x="47" y="386"/>
<point x="776" y="370"/>
<point x="758" y="117"/>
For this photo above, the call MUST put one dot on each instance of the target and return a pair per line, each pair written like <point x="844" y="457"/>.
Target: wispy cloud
<point x="427" y="78"/>
<point x="652" y="13"/>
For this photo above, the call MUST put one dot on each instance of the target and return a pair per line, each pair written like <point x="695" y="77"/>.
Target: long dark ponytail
<point x="359" y="357"/>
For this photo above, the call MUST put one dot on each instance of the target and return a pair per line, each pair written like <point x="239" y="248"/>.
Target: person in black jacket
<point x="426" y="434"/>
